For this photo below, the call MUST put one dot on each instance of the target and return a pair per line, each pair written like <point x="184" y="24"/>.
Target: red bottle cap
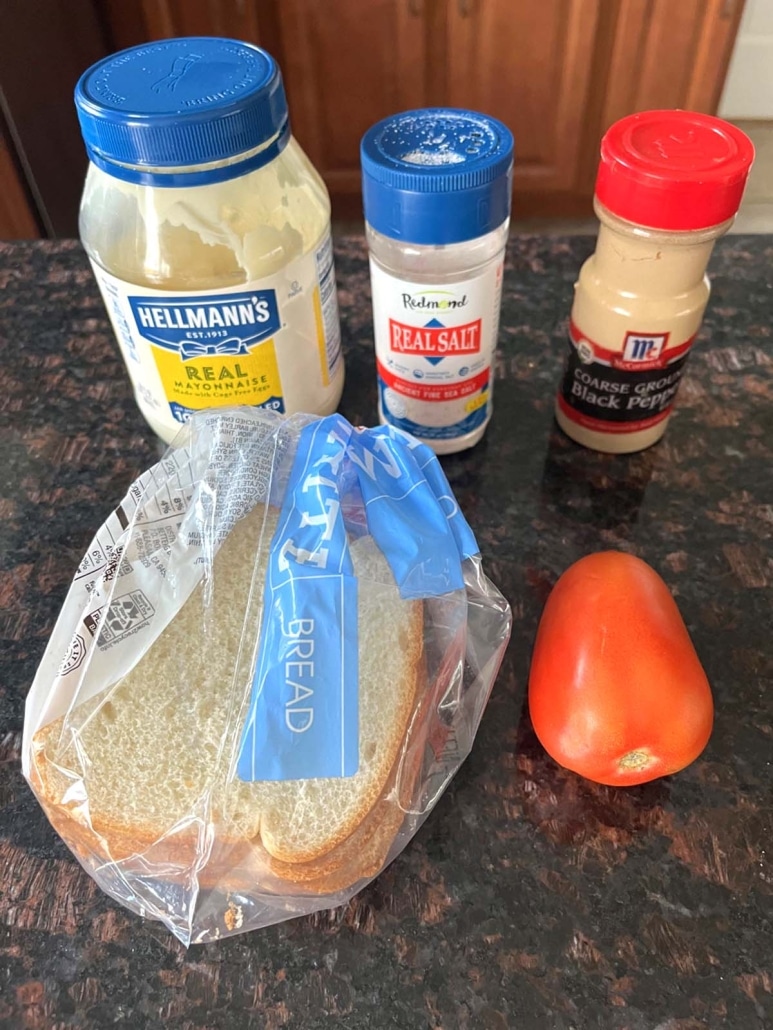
<point x="676" y="170"/>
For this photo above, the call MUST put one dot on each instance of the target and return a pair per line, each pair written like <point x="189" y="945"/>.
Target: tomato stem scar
<point x="636" y="760"/>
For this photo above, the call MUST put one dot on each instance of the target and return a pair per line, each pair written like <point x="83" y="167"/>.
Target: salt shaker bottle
<point x="436" y="188"/>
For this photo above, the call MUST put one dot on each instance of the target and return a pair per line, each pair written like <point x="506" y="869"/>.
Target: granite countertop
<point x="530" y="898"/>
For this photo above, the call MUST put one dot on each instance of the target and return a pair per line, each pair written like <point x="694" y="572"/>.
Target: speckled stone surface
<point x="530" y="898"/>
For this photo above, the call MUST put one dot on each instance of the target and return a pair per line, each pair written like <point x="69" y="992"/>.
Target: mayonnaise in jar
<point x="208" y="231"/>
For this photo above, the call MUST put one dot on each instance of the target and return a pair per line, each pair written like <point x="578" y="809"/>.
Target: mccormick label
<point x="245" y="345"/>
<point x="621" y="391"/>
<point x="434" y="347"/>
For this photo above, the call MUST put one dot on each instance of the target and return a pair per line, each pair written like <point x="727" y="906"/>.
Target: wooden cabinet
<point x="349" y="65"/>
<point x="17" y="220"/>
<point x="346" y="63"/>
<point x="529" y="64"/>
<point x="558" y="72"/>
<point x="667" y="54"/>
<point x="44" y="47"/>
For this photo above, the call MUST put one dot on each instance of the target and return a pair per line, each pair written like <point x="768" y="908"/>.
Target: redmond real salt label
<point x="434" y="347"/>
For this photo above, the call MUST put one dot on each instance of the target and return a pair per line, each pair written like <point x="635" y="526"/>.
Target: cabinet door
<point x="44" y="47"/>
<point x="530" y="65"/>
<point x="17" y="220"/>
<point x="667" y="54"/>
<point x="558" y="72"/>
<point x="346" y="65"/>
<point x="135" y="21"/>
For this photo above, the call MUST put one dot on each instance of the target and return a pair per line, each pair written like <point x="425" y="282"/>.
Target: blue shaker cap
<point x="180" y="102"/>
<point x="437" y="175"/>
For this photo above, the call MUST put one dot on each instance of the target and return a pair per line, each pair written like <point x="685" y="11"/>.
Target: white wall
<point x="748" y="91"/>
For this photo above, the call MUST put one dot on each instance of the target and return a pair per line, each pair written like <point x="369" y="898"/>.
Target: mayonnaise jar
<point x="208" y="231"/>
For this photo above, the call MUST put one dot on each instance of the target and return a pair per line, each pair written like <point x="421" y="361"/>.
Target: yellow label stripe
<point x="321" y="337"/>
<point x="220" y="380"/>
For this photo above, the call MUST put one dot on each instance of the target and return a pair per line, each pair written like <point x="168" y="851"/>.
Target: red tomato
<point x="616" y="690"/>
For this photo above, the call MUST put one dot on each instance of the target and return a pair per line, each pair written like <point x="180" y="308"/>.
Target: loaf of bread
<point x="148" y="765"/>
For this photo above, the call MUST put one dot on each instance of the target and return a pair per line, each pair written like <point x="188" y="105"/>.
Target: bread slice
<point x="145" y="764"/>
<point x="236" y="869"/>
<point x="365" y="851"/>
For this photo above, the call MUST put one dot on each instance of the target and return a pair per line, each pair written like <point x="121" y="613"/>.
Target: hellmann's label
<point x="242" y="345"/>
<point x="621" y="391"/>
<point x="213" y="351"/>
<point x="303" y="718"/>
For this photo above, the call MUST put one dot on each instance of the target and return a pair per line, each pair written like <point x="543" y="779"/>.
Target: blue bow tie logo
<point x="196" y="349"/>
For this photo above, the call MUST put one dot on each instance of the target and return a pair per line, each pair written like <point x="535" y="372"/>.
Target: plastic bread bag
<point x="273" y="657"/>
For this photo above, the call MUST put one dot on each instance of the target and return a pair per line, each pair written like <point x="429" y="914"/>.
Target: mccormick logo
<point x="643" y="346"/>
<point x="226" y="324"/>
<point x="434" y="300"/>
<point x="434" y="341"/>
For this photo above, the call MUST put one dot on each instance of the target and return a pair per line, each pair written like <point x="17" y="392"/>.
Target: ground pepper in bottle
<point x="669" y="184"/>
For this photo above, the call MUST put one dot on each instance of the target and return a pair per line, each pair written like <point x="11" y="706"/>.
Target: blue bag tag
<point x="427" y="461"/>
<point x="303" y="721"/>
<point x="405" y="517"/>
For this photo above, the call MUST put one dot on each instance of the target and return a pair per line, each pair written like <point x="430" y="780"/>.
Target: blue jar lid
<point x="182" y="102"/>
<point x="437" y="175"/>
